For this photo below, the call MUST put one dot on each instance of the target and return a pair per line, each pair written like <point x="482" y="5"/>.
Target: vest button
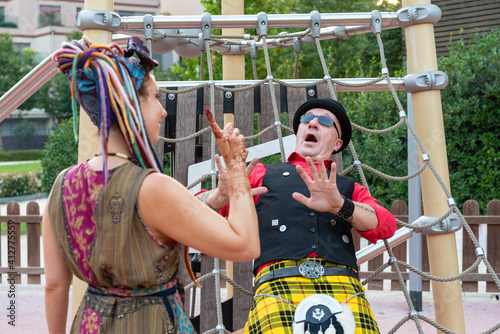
<point x="313" y="230"/>
<point x="333" y="222"/>
<point x="345" y="239"/>
<point x="286" y="173"/>
<point x="312" y="214"/>
<point x="314" y="246"/>
<point x="282" y="228"/>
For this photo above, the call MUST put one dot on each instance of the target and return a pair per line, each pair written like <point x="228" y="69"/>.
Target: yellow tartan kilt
<point x="269" y="314"/>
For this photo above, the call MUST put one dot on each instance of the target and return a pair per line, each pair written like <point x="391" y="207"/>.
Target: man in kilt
<point x="306" y="212"/>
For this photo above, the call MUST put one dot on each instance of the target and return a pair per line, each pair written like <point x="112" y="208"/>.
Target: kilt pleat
<point x="275" y="301"/>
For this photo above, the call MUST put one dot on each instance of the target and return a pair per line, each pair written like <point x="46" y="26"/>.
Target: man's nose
<point x="314" y="123"/>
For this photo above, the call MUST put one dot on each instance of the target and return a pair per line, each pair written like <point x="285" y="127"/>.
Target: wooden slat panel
<point x="184" y="152"/>
<point x="23" y="271"/>
<point x="242" y="274"/>
<point x="21" y="219"/>
<point x="266" y="117"/>
<point x="217" y="112"/>
<point x="426" y="285"/>
<point x="243" y="114"/>
<point x="33" y="236"/>
<point x="470" y="15"/>
<point x="208" y="310"/>
<point x="493" y="251"/>
<point x="186" y="125"/>
<point x="159" y="147"/>
<point x="399" y="208"/>
<point x="296" y="96"/>
<point x="471" y="207"/>
<point x="15" y="248"/>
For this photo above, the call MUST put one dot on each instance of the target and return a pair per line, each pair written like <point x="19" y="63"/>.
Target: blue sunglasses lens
<point x="324" y="120"/>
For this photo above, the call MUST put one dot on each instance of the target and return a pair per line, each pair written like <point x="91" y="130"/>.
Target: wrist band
<point x="347" y="210"/>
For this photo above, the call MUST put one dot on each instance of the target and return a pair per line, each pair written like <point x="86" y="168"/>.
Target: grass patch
<point x="21" y="168"/>
<point x="3" y="228"/>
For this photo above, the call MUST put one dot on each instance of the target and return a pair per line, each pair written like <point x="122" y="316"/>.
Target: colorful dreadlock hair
<point x="104" y="80"/>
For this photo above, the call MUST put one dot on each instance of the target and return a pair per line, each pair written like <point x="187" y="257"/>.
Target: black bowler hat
<point x="335" y="108"/>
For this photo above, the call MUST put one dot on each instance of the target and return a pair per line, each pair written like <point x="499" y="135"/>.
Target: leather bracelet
<point x="347" y="210"/>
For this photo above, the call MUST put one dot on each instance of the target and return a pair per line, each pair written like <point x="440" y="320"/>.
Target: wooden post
<point x="87" y="141"/>
<point x="443" y="258"/>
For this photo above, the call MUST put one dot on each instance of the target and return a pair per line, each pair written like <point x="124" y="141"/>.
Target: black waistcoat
<point x="290" y="230"/>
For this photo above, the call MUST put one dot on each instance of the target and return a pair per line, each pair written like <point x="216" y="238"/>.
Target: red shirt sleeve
<point x="386" y="221"/>
<point x="255" y="179"/>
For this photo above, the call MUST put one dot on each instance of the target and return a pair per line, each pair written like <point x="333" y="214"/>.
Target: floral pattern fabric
<point x="132" y="276"/>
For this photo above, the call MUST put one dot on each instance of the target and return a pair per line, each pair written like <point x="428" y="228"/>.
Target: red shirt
<point x="386" y="221"/>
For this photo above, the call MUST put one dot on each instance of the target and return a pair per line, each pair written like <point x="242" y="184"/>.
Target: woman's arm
<point x="58" y="279"/>
<point x="167" y="208"/>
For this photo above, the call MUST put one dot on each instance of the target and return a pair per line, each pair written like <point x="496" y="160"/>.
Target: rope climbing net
<point x="206" y="46"/>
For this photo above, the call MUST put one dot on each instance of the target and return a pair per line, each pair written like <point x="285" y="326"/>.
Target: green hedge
<point x="61" y="151"/>
<point x="22" y="155"/>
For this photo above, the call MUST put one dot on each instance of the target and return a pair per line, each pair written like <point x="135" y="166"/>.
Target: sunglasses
<point x="323" y="120"/>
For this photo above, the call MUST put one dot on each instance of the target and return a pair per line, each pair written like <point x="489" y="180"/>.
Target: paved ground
<point x="481" y="310"/>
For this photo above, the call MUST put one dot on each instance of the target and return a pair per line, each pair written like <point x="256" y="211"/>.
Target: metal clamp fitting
<point x="419" y="82"/>
<point x="418" y="14"/>
<point x="232" y="50"/>
<point x="339" y="32"/>
<point x="296" y="45"/>
<point x="206" y="29"/>
<point x="479" y="251"/>
<point x="315" y="24"/>
<point x="148" y="26"/>
<point x="376" y="23"/>
<point x="253" y="50"/>
<point x="450" y="224"/>
<point x="206" y="25"/>
<point x="402" y="114"/>
<point x="262" y="24"/>
<point x="97" y="19"/>
<point x="426" y="157"/>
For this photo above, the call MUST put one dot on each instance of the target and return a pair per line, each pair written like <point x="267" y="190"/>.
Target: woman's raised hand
<point x="231" y="145"/>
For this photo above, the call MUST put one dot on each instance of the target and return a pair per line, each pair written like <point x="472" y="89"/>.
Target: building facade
<point x="43" y="25"/>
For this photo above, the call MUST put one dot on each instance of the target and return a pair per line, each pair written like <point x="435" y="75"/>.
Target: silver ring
<point x="236" y="131"/>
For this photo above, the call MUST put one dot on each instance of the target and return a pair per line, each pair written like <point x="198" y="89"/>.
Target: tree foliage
<point x="471" y="105"/>
<point x="11" y="66"/>
<point x="53" y="96"/>
<point x="340" y="55"/>
<point x="61" y="151"/>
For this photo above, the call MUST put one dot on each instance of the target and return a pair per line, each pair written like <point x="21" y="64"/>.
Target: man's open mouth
<point x="311" y="138"/>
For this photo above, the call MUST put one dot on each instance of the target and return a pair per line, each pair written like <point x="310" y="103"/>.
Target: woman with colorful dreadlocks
<point x="116" y="221"/>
